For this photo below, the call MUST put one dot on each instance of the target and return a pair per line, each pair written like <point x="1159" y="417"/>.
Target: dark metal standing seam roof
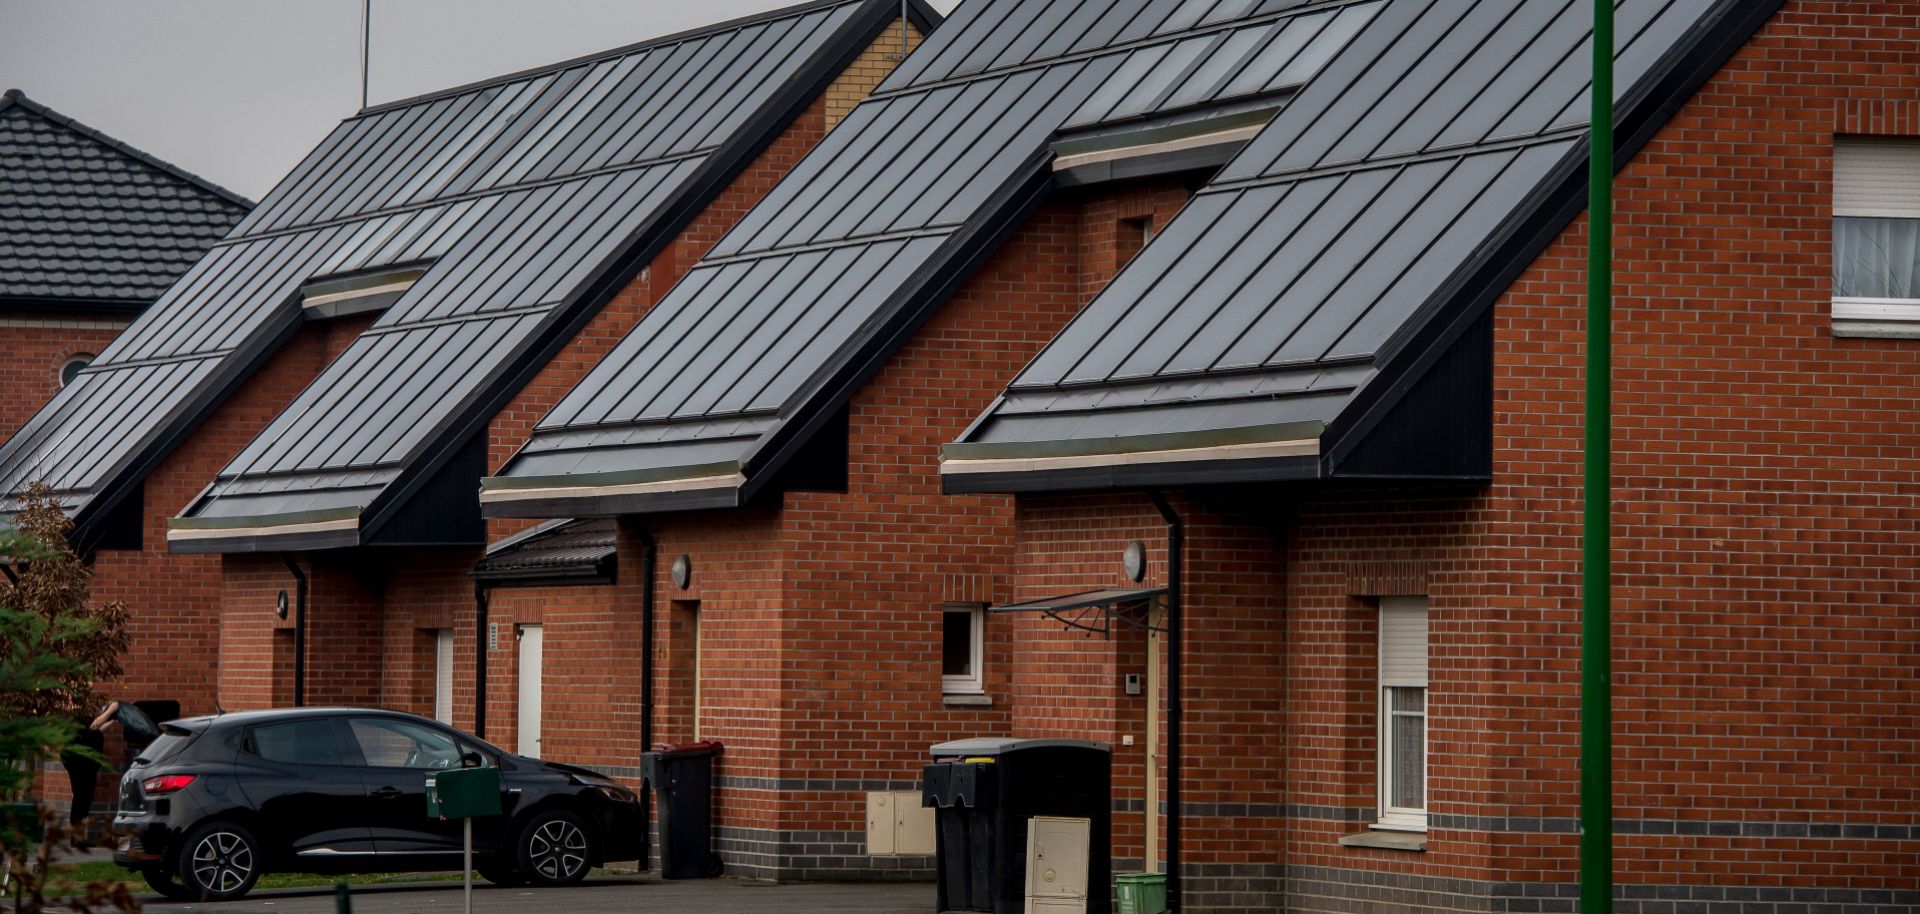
<point x="90" y="223"/>
<point x="528" y="199"/>
<point x="731" y="373"/>
<point x="1343" y="250"/>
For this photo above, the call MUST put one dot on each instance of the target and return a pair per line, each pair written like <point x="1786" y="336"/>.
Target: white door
<point x="443" y="676"/>
<point x="529" y="743"/>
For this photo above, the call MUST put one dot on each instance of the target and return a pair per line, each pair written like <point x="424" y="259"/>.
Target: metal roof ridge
<point x="774" y="15"/>
<point x="15" y="97"/>
<point x="1228" y="25"/>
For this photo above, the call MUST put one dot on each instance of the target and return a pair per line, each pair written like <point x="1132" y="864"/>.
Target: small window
<point x="297" y="742"/>
<point x="386" y="743"/>
<point x="1876" y="237"/>
<point x="962" y="642"/>
<point x="1403" y="713"/>
<point x="71" y="368"/>
<point x="359" y="293"/>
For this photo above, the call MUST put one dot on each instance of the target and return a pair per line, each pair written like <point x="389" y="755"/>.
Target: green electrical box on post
<point x="463" y="793"/>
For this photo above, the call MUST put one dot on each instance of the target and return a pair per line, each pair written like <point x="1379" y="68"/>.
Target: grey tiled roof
<point x="86" y="219"/>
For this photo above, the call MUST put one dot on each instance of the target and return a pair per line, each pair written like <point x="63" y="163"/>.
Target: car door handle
<point x="387" y="793"/>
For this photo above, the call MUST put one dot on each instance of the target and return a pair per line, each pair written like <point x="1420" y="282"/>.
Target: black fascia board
<point x="74" y="307"/>
<point x="924" y="17"/>
<point x="604" y="282"/>
<point x="1133" y="476"/>
<point x="931" y="284"/>
<point x="1539" y="221"/>
<point x="129" y="479"/>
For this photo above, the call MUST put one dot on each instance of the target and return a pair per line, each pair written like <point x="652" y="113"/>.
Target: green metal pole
<point x="1596" y="691"/>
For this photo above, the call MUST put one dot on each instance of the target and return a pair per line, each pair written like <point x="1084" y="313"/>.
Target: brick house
<point x="91" y="232"/>
<point x="759" y="456"/>
<point x="1351" y="371"/>
<point x="501" y="235"/>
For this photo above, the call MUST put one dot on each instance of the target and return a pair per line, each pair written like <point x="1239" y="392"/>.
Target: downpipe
<point x="1176" y="549"/>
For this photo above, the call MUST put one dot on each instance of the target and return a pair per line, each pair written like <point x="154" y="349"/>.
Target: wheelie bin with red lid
<point x="682" y="779"/>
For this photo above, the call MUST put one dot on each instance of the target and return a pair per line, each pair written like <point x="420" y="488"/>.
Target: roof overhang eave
<point x="331" y="528"/>
<point x="1270" y="453"/>
<point x="613" y="494"/>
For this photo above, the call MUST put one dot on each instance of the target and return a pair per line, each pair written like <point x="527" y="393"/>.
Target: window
<point x="1403" y="713"/>
<point x="386" y="743"/>
<point x="72" y="367"/>
<point x="1876" y="237"/>
<point x="962" y="639"/>
<point x="359" y="293"/>
<point x="297" y="742"/>
<point x="443" y="675"/>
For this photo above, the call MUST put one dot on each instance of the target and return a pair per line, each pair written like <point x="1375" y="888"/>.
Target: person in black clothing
<point x="83" y="773"/>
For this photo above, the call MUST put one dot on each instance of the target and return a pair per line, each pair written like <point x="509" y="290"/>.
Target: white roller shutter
<point x="1403" y="641"/>
<point x="1876" y="177"/>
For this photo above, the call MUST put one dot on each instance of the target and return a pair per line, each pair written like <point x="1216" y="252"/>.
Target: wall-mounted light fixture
<point x="1135" y="561"/>
<point x="682" y="572"/>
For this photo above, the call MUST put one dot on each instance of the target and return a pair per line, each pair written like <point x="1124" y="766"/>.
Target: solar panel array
<point x="512" y="193"/>
<point x="1277" y="293"/>
<point x="803" y="286"/>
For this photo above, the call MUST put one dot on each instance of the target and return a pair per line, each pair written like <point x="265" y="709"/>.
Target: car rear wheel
<point x="166" y="882"/>
<point x="555" y="848"/>
<point x="219" y="861"/>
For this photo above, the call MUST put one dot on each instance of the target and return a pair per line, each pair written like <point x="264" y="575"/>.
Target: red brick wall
<point x="1068" y="684"/>
<point x="33" y="346"/>
<point x="1765" y="544"/>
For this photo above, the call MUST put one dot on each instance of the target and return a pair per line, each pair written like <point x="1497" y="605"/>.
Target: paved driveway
<point x="598" y="896"/>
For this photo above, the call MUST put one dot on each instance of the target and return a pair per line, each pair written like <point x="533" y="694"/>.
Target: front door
<point x="529" y="705"/>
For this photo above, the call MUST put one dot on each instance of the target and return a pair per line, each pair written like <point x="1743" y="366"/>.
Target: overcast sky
<point x="238" y="91"/>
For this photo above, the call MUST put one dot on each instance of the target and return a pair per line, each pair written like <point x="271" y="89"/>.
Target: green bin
<point x="1140" y="893"/>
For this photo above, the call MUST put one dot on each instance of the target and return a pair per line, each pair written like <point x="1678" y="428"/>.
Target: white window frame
<point x="1395" y="818"/>
<point x="1875" y="177"/>
<point x="973" y="683"/>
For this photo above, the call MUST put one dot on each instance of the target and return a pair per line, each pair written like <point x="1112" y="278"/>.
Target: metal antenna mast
<point x="366" y="47"/>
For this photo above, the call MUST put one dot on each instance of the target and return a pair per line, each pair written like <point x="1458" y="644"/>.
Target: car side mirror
<point x="472" y="760"/>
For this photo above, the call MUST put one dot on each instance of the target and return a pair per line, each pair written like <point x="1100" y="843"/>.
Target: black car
<point x="217" y="801"/>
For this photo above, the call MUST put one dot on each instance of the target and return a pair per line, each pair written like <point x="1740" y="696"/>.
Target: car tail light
<point x="166" y="783"/>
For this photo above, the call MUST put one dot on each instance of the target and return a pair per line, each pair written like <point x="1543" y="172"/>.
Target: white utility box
<point x="897" y="825"/>
<point x="1057" y="865"/>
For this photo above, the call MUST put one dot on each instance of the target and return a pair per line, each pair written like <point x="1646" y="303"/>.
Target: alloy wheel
<point x="557" y="849"/>
<point x="222" y="862"/>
